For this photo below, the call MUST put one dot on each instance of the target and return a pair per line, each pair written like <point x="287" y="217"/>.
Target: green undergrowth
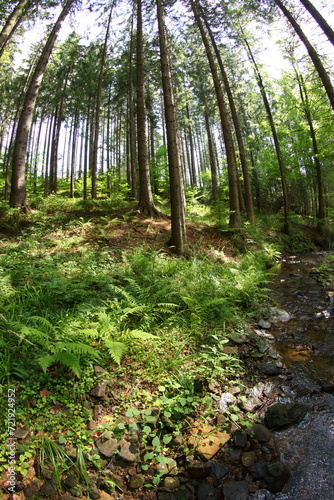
<point x="158" y="324"/>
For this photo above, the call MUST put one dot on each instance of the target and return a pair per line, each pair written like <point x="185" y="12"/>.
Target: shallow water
<point x="306" y="343"/>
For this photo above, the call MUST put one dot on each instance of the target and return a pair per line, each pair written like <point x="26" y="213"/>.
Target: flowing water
<point x="306" y="343"/>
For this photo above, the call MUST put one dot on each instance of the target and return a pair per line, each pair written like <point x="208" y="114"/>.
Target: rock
<point x="237" y="338"/>
<point x="21" y="432"/>
<point x="99" y="391"/>
<point x="226" y="400"/>
<point x="248" y="458"/>
<point x="171" y="483"/>
<point x="106" y="445"/>
<point x="105" y="496"/>
<point x="279" y="315"/>
<point x="261" y="433"/>
<point x="170" y="467"/>
<point x="265" y="324"/>
<point x="32" y="489"/>
<point x="239" y="438"/>
<point x="276" y="476"/>
<point x="328" y="386"/>
<point x="218" y="470"/>
<point x="128" y="451"/>
<point x="268" y="369"/>
<point x="258" y="470"/>
<point x="94" y="493"/>
<point x="49" y="489"/>
<point x="136" y="481"/>
<point x="236" y="490"/>
<point x="199" y="470"/>
<point x="70" y="481"/>
<point x="208" y="440"/>
<point x="98" y="370"/>
<point x="251" y="403"/>
<point x="183" y="494"/>
<point x="283" y="415"/>
<point x="206" y="491"/>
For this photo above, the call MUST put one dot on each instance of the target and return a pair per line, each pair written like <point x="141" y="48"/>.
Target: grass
<point x="83" y="285"/>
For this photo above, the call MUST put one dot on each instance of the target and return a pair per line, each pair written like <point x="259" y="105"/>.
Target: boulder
<point x="284" y="415"/>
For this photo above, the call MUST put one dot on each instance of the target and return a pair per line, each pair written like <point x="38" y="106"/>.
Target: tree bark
<point x="178" y="238"/>
<point x="146" y="203"/>
<point x="237" y="128"/>
<point x="320" y="20"/>
<point x="11" y="24"/>
<point x="323" y="75"/>
<point x="98" y="108"/>
<point x="235" y="217"/>
<point x="18" y="195"/>
<point x="286" y="204"/>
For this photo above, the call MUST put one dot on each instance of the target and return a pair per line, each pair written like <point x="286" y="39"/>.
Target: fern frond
<point x="116" y="350"/>
<point x="69" y="360"/>
<point x="139" y="334"/>
<point x="78" y="348"/>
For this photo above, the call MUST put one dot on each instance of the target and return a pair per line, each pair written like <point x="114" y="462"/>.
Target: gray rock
<point x="99" y="391"/>
<point x="265" y="324"/>
<point x="240" y="438"/>
<point x="171" y="483"/>
<point x="128" y="451"/>
<point x="261" y="433"/>
<point x="218" y="470"/>
<point x="170" y="467"/>
<point x="236" y="490"/>
<point x="279" y="315"/>
<point x="199" y="470"/>
<point x="21" y="432"/>
<point x="251" y="404"/>
<point x="226" y="400"/>
<point x="276" y="476"/>
<point x="283" y="415"/>
<point x="206" y="491"/>
<point x="136" y="481"/>
<point x="106" y="445"/>
<point x="270" y="369"/>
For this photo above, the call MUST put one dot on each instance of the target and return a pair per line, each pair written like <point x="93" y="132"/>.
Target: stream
<point x="306" y="344"/>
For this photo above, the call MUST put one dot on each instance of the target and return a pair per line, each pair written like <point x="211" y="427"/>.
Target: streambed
<point x="306" y="343"/>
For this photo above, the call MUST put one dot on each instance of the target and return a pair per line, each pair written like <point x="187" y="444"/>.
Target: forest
<point x="158" y="162"/>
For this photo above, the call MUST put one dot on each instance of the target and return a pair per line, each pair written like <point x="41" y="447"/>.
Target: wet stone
<point x="236" y="490"/>
<point x="206" y="491"/>
<point x="239" y="438"/>
<point x="218" y="470"/>
<point x="248" y="458"/>
<point x="168" y="468"/>
<point x="283" y="415"/>
<point x="270" y="369"/>
<point x="263" y="323"/>
<point x="199" y="470"/>
<point x="276" y="477"/>
<point x="261" y="433"/>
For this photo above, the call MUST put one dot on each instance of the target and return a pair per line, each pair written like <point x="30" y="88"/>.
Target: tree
<point x="98" y="106"/>
<point x="11" y="24"/>
<point x="146" y="203"/>
<point x="18" y="195"/>
<point x="178" y="238"/>
<point x="320" y="19"/>
<point x="323" y="75"/>
<point x="235" y="217"/>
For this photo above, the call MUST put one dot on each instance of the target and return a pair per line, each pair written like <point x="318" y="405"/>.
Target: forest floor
<point x="123" y="364"/>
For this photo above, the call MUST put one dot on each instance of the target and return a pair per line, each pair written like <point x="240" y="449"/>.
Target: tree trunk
<point x="11" y="24"/>
<point x="132" y="125"/>
<point x="235" y="217"/>
<point x="146" y="203"/>
<point x="178" y="238"/>
<point x="237" y="128"/>
<point x="280" y="161"/>
<point x="323" y="75"/>
<point x="307" y="111"/>
<point x="212" y="158"/>
<point x="98" y="108"/>
<point x="18" y="196"/>
<point x="320" y="20"/>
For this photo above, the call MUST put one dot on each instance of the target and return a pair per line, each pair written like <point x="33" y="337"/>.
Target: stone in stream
<point x="270" y="369"/>
<point x="279" y="315"/>
<point x="276" y="476"/>
<point x="283" y="415"/>
<point x="236" y="490"/>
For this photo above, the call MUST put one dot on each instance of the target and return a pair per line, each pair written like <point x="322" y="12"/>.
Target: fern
<point x="116" y="350"/>
<point x="68" y="354"/>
